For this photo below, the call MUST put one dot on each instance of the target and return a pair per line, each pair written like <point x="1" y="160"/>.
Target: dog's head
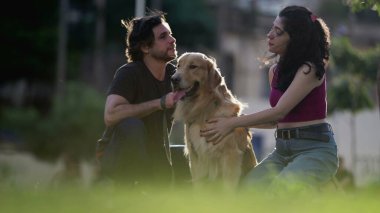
<point x="195" y="73"/>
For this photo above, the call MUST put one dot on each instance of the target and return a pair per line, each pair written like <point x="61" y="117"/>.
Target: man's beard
<point x="164" y="56"/>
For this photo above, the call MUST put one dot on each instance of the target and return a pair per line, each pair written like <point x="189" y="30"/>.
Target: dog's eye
<point x="192" y="66"/>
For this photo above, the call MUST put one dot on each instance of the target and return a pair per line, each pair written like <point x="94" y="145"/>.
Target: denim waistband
<point x="312" y="132"/>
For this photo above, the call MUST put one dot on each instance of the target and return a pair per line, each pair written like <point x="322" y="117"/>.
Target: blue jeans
<point x="295" y="164"/>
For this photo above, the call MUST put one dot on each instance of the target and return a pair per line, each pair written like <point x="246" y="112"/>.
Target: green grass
<point x="106" y="198"/>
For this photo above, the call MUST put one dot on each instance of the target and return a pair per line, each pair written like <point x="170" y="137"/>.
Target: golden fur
<point x="207" y="96"/>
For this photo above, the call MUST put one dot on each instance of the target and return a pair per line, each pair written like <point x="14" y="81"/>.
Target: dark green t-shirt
<point x="135" y="82"/>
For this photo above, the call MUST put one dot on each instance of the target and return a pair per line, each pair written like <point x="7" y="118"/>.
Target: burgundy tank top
<point x="312" y="107"/>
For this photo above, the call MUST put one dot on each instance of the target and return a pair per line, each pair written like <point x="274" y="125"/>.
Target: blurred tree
<point x="191" y="30"/>
<point x="29" y="34"/>
<point x="115" y="11"/>
<point x="353" y="75"/>
<point x="28" y="40"/>
<point x="60" y="82"/>
<point x="99" y="46"/>
<point x="334" y="12"/>
<point x="358" y="5"/>
<point x="193" y="23"/>
<point x="72" y="126"/>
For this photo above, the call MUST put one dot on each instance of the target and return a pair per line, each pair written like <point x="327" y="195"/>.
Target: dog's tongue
<point x="178" y="95"/>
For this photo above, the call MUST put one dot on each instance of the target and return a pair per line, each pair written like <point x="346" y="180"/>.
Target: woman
<point x="306" y="152"/>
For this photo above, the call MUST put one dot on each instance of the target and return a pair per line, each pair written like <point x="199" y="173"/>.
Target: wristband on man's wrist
<point x="163" y="102"/>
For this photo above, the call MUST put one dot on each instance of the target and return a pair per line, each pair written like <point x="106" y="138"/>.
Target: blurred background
<point x="58" y="58"/>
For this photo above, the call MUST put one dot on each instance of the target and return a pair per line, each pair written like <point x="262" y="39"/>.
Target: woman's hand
<point x="216" y="128"/>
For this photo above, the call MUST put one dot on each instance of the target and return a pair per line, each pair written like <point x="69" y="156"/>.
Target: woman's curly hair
<point x="309" y="43"/>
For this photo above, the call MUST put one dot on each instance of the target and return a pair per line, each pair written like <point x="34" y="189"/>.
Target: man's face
<point x="164" y="46"/>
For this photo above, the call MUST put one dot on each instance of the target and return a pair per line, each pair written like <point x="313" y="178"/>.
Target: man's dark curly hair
<point x="140" y="33"/>
<point x="309" y="43"/>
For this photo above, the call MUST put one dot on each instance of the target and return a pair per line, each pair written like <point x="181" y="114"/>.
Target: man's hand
<point x="172" y="98"/>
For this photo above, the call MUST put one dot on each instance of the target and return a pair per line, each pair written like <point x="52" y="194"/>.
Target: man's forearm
<point x="121" y="111"/>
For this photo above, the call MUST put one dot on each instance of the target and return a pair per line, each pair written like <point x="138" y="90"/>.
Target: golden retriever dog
<point x="206" y="96"/>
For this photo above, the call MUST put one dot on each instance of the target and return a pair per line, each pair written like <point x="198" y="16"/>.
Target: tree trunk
<point x="99" y="65"/>
<point x="139" y="8"/>
<point x="378" y="88"/>
<point x="60" y="83"/>
<point x="353" y="142"/>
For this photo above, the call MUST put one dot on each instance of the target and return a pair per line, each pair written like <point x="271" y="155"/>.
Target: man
<point x="138" y="99"/>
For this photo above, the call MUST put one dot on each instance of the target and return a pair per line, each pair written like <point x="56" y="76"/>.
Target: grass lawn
<point x="112" y="199"/>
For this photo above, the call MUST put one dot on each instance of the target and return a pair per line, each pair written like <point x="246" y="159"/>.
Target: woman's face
<point x="278" y="39"/>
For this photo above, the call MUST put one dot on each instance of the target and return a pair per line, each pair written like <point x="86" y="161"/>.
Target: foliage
<point x="358" y="5"/>
<point x="30" y="33"/>
<point x="334" y="12"/>
<point x="29" y="36"/>
<point x="29" y="40"/>
<point x="353" y="76"/>
<point x="191" y="30"/>
<point x="73" y="125"/>
<point x="355" y="61"/>
<point x="117" y="10"/>
<point x="347" y="92"/>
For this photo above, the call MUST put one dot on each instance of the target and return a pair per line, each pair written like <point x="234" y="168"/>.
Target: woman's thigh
<point x="311" y="164"/>
<point x="265" y="171"/>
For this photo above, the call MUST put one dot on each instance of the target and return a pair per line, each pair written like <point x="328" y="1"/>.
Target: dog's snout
<point x="175" y="80"/>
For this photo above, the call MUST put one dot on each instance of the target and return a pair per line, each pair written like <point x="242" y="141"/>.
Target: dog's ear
<point x="215" y="78"/>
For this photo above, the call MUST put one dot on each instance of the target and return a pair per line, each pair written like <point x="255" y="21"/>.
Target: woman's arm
<point x="271" y="125"/>
<point x="304" y="81"/>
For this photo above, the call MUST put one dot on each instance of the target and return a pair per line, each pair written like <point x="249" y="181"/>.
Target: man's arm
<point x="117" y="108"/>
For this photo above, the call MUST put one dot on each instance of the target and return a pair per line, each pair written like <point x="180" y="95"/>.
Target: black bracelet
<point x="162" y="102"/>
